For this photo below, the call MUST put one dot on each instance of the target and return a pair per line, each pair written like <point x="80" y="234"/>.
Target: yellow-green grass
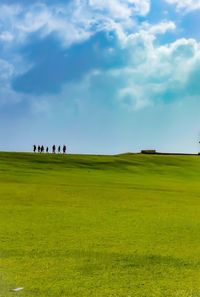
<point x="101" y="226"/>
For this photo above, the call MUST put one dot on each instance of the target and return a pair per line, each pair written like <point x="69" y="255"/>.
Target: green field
<point x="101" y="226"/>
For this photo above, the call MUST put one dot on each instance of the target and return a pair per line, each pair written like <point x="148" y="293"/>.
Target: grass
<point x="101" y="226"/>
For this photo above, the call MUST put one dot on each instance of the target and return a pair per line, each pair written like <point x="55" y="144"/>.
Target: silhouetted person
<point x="54" y="149"/>
<point x="42" y="149"/>
<point x="59" y="149"/>
<point x="39" y="149"/>
<point x="47" y="149"/>
<point x="34" y="148"/>
<point x="64" y="149"/>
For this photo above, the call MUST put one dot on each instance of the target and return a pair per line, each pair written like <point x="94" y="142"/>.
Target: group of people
<point x="42" y="149"/>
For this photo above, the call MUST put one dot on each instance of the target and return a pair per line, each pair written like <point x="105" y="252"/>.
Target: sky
<point x="101" y="76"/>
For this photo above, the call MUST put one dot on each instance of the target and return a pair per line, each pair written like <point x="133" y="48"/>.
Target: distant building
<point x="150" y="152"/>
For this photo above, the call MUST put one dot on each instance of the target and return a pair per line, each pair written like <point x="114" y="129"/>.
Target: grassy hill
<point x="102" y="226"/>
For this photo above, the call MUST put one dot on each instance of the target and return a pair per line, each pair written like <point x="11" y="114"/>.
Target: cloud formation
<point x="187" y="5"/>
<point x="153" y="75"/>
<point x="95" y="41"/>
<point x="50" y="71"/>
<point x="163" y="75"/>
<point x="74" y="21"/>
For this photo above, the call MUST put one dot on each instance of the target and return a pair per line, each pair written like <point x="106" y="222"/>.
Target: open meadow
<point x="99" y="226"/>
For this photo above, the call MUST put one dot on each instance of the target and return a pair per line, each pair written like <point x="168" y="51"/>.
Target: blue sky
<point x="101" y="76"/>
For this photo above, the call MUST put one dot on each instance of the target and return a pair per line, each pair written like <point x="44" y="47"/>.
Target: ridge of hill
<point x="138" y="163"/>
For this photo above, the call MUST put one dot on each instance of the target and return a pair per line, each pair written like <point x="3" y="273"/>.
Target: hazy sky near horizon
<point x="101" y="76"/>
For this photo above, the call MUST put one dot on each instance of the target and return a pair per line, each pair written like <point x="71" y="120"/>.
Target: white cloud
<point x="6" y="36"/>
<point x="7" y="95"/>
<point x="154" y="75"/>
<point x="6" y="70"/>
<point x="120" y="9"/>
<point x="160" y="28"/>
<point x="187" y="5"/>
<point x="73" y="22"/>
<point x="162" y="74"/>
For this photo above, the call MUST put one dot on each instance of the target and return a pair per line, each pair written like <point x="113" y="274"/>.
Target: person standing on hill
<point x="59" y="149"/>
<point x="54" y="149"/>
<point x="42" y="149"/>
<point x="64" y="149"/>
<point x="47" y="149"/>
<point x="39" y="149"/>
<point x="34" y="148"/>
